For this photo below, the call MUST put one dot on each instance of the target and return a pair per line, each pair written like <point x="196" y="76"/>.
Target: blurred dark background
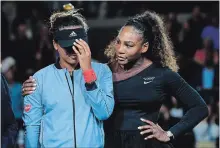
<point x="26" y="47"/>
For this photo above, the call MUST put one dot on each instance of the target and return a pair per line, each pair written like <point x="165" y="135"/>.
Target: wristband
<point x="89" y="76"/>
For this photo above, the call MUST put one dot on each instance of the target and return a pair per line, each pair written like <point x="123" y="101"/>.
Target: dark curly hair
<point x="153" y="30"/>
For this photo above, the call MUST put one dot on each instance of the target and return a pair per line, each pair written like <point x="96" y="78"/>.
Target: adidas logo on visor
<point x="72" y="34"/>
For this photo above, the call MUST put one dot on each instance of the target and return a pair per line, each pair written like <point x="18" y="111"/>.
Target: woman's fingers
<point x="144" y="127"/>
<point x="146" y="131"/>
<point x="153" y="131"/>
<point x="87" y="49"/>
<point x="30" y="80"/>
<point x="149" y="137"/>
<point x="27" y="93"/>
<point x="80" y="47"/>
<point x="81" y="44"/>
<point x="148" y="121"/>
<point x="76" y="51"/>
<point x="29" y="84"/>
<point x="28" y="89"/>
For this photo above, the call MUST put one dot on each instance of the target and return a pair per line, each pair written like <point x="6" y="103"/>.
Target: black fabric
<point x="142" y="95"/>
<point x="91" y="86"/>
<point x="67" y="34"/>
<point x="132" y="139"/>
<point x="8" y="123"/>
<point x="67" y="37"/>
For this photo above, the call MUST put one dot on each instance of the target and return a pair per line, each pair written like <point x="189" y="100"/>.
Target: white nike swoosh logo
<point x="147" y="82"/>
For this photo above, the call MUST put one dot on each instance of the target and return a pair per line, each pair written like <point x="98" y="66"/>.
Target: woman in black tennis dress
<point x="144" y="74"/>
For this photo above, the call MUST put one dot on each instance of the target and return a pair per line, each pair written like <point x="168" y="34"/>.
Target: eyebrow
<point x="130" y="42"/>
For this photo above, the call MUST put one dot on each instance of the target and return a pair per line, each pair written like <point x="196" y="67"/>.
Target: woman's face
<point x="65" y="56"/>
<point x="129" y="45"/>
<point x="70" y="58"/>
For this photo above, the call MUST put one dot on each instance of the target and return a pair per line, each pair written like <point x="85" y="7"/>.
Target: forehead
<point x="129" y="33"/>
